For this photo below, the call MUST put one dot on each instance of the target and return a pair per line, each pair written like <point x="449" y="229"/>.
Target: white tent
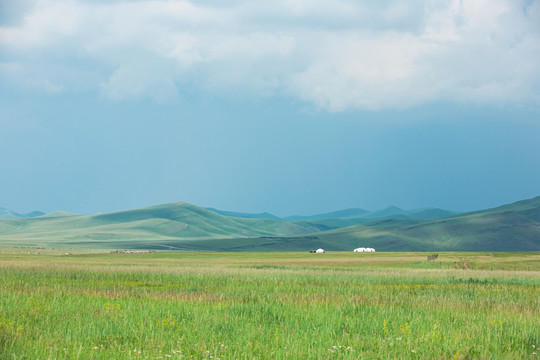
<point x="319" y="251"/>
<point x="364" y="249"/>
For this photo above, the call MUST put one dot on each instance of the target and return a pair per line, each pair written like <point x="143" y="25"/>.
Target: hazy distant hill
<point x="59" y="213"/>
<point x="354" y="213"/>
<point x="393" y="212"/>
<point x="264" y="215"/>
<point x="340" y="214"/>
<point x="8" y="214"/>
<point x="528" y="204"/>
<point x="140" y="227"/>
<point x="429" y="213"/>
<point x="512" y="227"/>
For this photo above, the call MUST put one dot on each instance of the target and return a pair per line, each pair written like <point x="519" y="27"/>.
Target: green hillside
<point x="513" y="227"/>
<point x="388" y="213"/>
<point x="430" y="213"/>
<point x="59" y="213"/>
<point x="340" y="214"/>
<point x="528" y="204"/>
<point x="9" y="214"/>
<point x="334" y="223"/>
<point x="346" y="217"/>
<point x="139" y="228"/>
<point x="393" y="212"/>
<point x="264" y="215"/>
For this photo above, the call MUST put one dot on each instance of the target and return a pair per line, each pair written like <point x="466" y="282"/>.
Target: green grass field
<point x="182" y="305"/>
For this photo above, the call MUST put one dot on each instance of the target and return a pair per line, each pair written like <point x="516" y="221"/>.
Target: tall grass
<point x="256" y="306"/>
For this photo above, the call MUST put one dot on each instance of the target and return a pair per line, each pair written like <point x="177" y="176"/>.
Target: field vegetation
<point x="182" y="305"/>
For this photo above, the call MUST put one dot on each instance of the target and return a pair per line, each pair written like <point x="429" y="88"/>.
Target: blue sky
<point x="289" y="106"/>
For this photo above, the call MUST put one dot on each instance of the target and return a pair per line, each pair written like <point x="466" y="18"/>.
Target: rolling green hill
<point x="340" y="214"/>
<point x="9" y="214"/>
<point x="512" y="227"/>
<point x="352" y="216"/>
<point x="528" y="204"/>
<point x="264" y="215"/>
<point x="430" y="213"/>
<point x="139" y="228"/>
<point x="59" y="213"/>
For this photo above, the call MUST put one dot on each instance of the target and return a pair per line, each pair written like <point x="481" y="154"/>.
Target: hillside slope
<point x="9" y="214"/>
<point x="349" y="216"/>
<point x="339" y="214"/>
<point x="264" y="215"/>
<point x="140" y="227"/>
<point x="513" y="227"/>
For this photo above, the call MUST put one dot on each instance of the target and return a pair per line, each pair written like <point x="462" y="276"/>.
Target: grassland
<point x="168" y="305"/>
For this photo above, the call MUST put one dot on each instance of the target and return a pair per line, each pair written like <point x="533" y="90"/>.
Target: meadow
<point x="208" y="305"/>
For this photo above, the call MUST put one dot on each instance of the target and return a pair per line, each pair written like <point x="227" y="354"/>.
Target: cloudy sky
<point x="287" y="106"/>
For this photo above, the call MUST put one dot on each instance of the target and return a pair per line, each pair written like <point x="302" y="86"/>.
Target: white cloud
<point x="366" y="70"/>
<point x="336" y="54"/>
<point x="135" y="81"/>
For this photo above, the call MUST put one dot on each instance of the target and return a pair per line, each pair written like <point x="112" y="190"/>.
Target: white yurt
<point x="320" y="251"/>
<point x="361" y="249"/>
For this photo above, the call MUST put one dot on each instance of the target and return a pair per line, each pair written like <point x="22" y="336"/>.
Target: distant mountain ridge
<point x="244" y="215"/>
<point x="141" y="227"/>
<point x="353" y="213"/>
<point x="511" y="227"/>
<point x="339" y="214"/>
<point x="183" y="226"/>
<point x="59" y="213"/>
<point x="391" y="211"/>
<point x="9" y="214"/>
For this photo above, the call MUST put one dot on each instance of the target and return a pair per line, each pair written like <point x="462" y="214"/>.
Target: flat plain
<point x="279" y="305"/>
